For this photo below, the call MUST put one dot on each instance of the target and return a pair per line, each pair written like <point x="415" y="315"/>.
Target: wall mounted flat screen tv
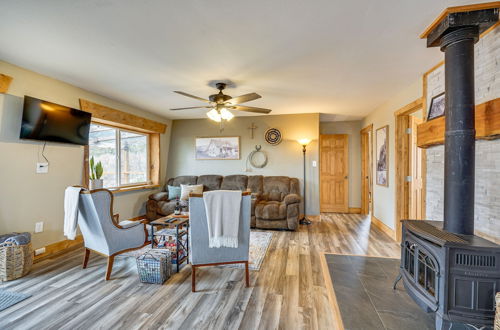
<point x="47" y="121"/>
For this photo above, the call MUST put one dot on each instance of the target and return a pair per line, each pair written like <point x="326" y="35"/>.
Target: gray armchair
<point x="201" y="254"/>
<point x="101" y="233"/>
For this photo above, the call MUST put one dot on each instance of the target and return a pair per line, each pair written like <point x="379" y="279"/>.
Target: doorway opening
<point x="410" y="165"/>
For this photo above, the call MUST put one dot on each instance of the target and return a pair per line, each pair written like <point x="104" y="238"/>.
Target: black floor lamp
<point x="304" y="143"/>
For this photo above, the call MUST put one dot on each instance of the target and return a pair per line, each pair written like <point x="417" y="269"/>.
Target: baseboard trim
<point x="383" y="227"/>
<point x="58" y="248"/>
<point x="355" y="210"/>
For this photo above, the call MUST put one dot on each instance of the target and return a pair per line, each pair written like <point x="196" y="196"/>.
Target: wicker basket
<point x="154" y="266"/>
<point x="497" y="315"/>
<point x="15" y="260"/>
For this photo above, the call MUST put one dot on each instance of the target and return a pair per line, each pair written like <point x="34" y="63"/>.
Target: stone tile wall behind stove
<point x="487" y="211"/>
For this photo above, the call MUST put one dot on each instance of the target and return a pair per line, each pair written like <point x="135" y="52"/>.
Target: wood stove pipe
<point x="460" y="133"/>
<point x="456" y="34"/>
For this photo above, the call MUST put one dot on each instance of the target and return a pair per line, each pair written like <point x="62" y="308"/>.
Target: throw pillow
<point x="187" y="189"/>
<point x="174" y="192"/>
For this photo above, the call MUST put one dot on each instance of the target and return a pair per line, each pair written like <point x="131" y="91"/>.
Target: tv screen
<point x="47" y="121"/>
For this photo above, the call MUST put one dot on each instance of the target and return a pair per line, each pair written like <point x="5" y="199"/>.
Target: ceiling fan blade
<point x="192" y="96"/>
<point x="251" y="109"/>
<point x="200" y="107"/>
<point x="243" y="98"/>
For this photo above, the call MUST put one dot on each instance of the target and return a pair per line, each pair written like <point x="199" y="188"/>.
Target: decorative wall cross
<point x="252" y="127"/>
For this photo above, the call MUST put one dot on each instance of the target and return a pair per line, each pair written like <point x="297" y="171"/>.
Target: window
<point x="124" y="155"/>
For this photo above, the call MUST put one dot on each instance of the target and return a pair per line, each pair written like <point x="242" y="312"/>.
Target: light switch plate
<point x="39" y="227"/>
<point x="42" y="168"/>
<point x="314" y="163"/>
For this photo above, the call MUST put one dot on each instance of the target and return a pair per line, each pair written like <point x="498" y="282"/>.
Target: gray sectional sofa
<point x="275" y="199"/>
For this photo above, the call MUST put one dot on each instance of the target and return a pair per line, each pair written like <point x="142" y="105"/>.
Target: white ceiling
<point x="339" y="57"/>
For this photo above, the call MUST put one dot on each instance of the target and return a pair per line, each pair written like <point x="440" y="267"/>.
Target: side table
<point x="181" y="226"/>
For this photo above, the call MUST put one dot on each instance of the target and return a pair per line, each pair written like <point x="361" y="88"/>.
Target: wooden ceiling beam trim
<point x="458" y="9"/>
<point x="109" y="116"/>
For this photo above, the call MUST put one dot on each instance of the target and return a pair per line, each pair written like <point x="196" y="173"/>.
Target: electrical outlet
<point x="42" y="168"/>
<point x="314" y="163"/>
<point x="39" y="251"/>
<point x="39" y="227"/>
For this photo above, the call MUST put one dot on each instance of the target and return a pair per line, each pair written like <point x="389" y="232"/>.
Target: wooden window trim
<point x="153" y="162"/>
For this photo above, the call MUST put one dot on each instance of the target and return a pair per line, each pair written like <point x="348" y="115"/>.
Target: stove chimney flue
<point x="460" y="133"/>
<point x="456" y="35"/>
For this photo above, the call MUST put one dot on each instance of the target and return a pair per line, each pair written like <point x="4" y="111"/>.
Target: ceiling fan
<point x="221" y="103"/>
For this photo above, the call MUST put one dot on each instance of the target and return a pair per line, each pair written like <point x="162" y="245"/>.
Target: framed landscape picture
<point x="382" y="150"/>
<point x="436" y="108"/>
<point x="217" y="147"/>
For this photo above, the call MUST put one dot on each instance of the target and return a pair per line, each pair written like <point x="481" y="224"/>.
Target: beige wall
<point x="384" y="197"/>
<point x="27" y="197"/>
<point x="284" y="159"/>
<point x="352" y="129"/>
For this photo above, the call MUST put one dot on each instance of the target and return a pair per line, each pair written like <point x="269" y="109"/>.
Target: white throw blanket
<point x="71" y="196"/>
<point x="223" y="217"/>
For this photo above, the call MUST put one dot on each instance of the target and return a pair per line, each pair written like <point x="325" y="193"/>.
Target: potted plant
<point x="96" y="171"/>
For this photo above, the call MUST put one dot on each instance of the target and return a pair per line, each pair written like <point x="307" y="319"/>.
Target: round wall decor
<point x="258" y="158"/>
<point x="273" y="136"/>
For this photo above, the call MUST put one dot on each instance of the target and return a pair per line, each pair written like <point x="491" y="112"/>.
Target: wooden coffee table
<point x="181" y="225"/>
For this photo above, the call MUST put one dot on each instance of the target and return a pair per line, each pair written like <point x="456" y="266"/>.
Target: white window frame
<point x="118" y="157"/>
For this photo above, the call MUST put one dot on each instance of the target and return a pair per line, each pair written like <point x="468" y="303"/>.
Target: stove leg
<point x="396" y="281"/>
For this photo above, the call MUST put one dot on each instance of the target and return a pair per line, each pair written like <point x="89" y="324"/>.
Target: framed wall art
<point x="382" y="150"/>
<point x="217" y="147"/>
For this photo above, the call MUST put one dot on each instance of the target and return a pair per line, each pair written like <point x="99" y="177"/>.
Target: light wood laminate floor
<point x="288" y="292"/>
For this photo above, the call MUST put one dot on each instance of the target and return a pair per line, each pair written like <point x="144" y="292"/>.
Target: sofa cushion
<point x="276" y="184"/>
<point x="270" y="210"/>
<point x="174" y="192"/>
<point x="186" y="189"/>
<point x="184" y="179"/>
<point x="210" y="182"/>
<point x="255" y="183"/>
<point x="165" y="207"/>
<point x="234" y="182"/>
<point x="159" y="196"/>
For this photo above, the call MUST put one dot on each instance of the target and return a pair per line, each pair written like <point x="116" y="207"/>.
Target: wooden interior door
<point x="416" y="186"/>
<point x="334" y="171"/>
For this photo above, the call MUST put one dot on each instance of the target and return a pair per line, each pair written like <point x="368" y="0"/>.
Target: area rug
<point x="8" y="298"/>
<point x="365" y="298"/>
<point x="259" y="243"/>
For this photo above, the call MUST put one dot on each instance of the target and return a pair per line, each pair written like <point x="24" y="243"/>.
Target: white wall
<point x="352" y="129"/>
<point x="284" y="159"/>
<point x="27" y="197"/>
<point x="384" y="197"/>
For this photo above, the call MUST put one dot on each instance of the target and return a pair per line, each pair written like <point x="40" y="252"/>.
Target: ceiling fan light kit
<point x="220" y="104"/>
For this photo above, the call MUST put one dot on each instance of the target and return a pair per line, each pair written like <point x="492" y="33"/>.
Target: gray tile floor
<point x="363" y="287"/>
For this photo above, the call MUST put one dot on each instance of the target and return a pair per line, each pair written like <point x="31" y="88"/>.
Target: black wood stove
<point x="445" y="268"/>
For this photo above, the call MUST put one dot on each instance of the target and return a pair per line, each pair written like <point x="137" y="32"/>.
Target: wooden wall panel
<point x="487" y="125"/>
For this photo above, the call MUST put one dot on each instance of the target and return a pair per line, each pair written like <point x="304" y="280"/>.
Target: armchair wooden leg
<point x="111" y="260"/>
<point x="247" y="274"/>
<point x="86" y="258"/>
<point x="193" y="278"/>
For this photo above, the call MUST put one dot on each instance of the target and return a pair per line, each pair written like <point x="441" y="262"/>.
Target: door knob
<point x="345" y="177"/>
